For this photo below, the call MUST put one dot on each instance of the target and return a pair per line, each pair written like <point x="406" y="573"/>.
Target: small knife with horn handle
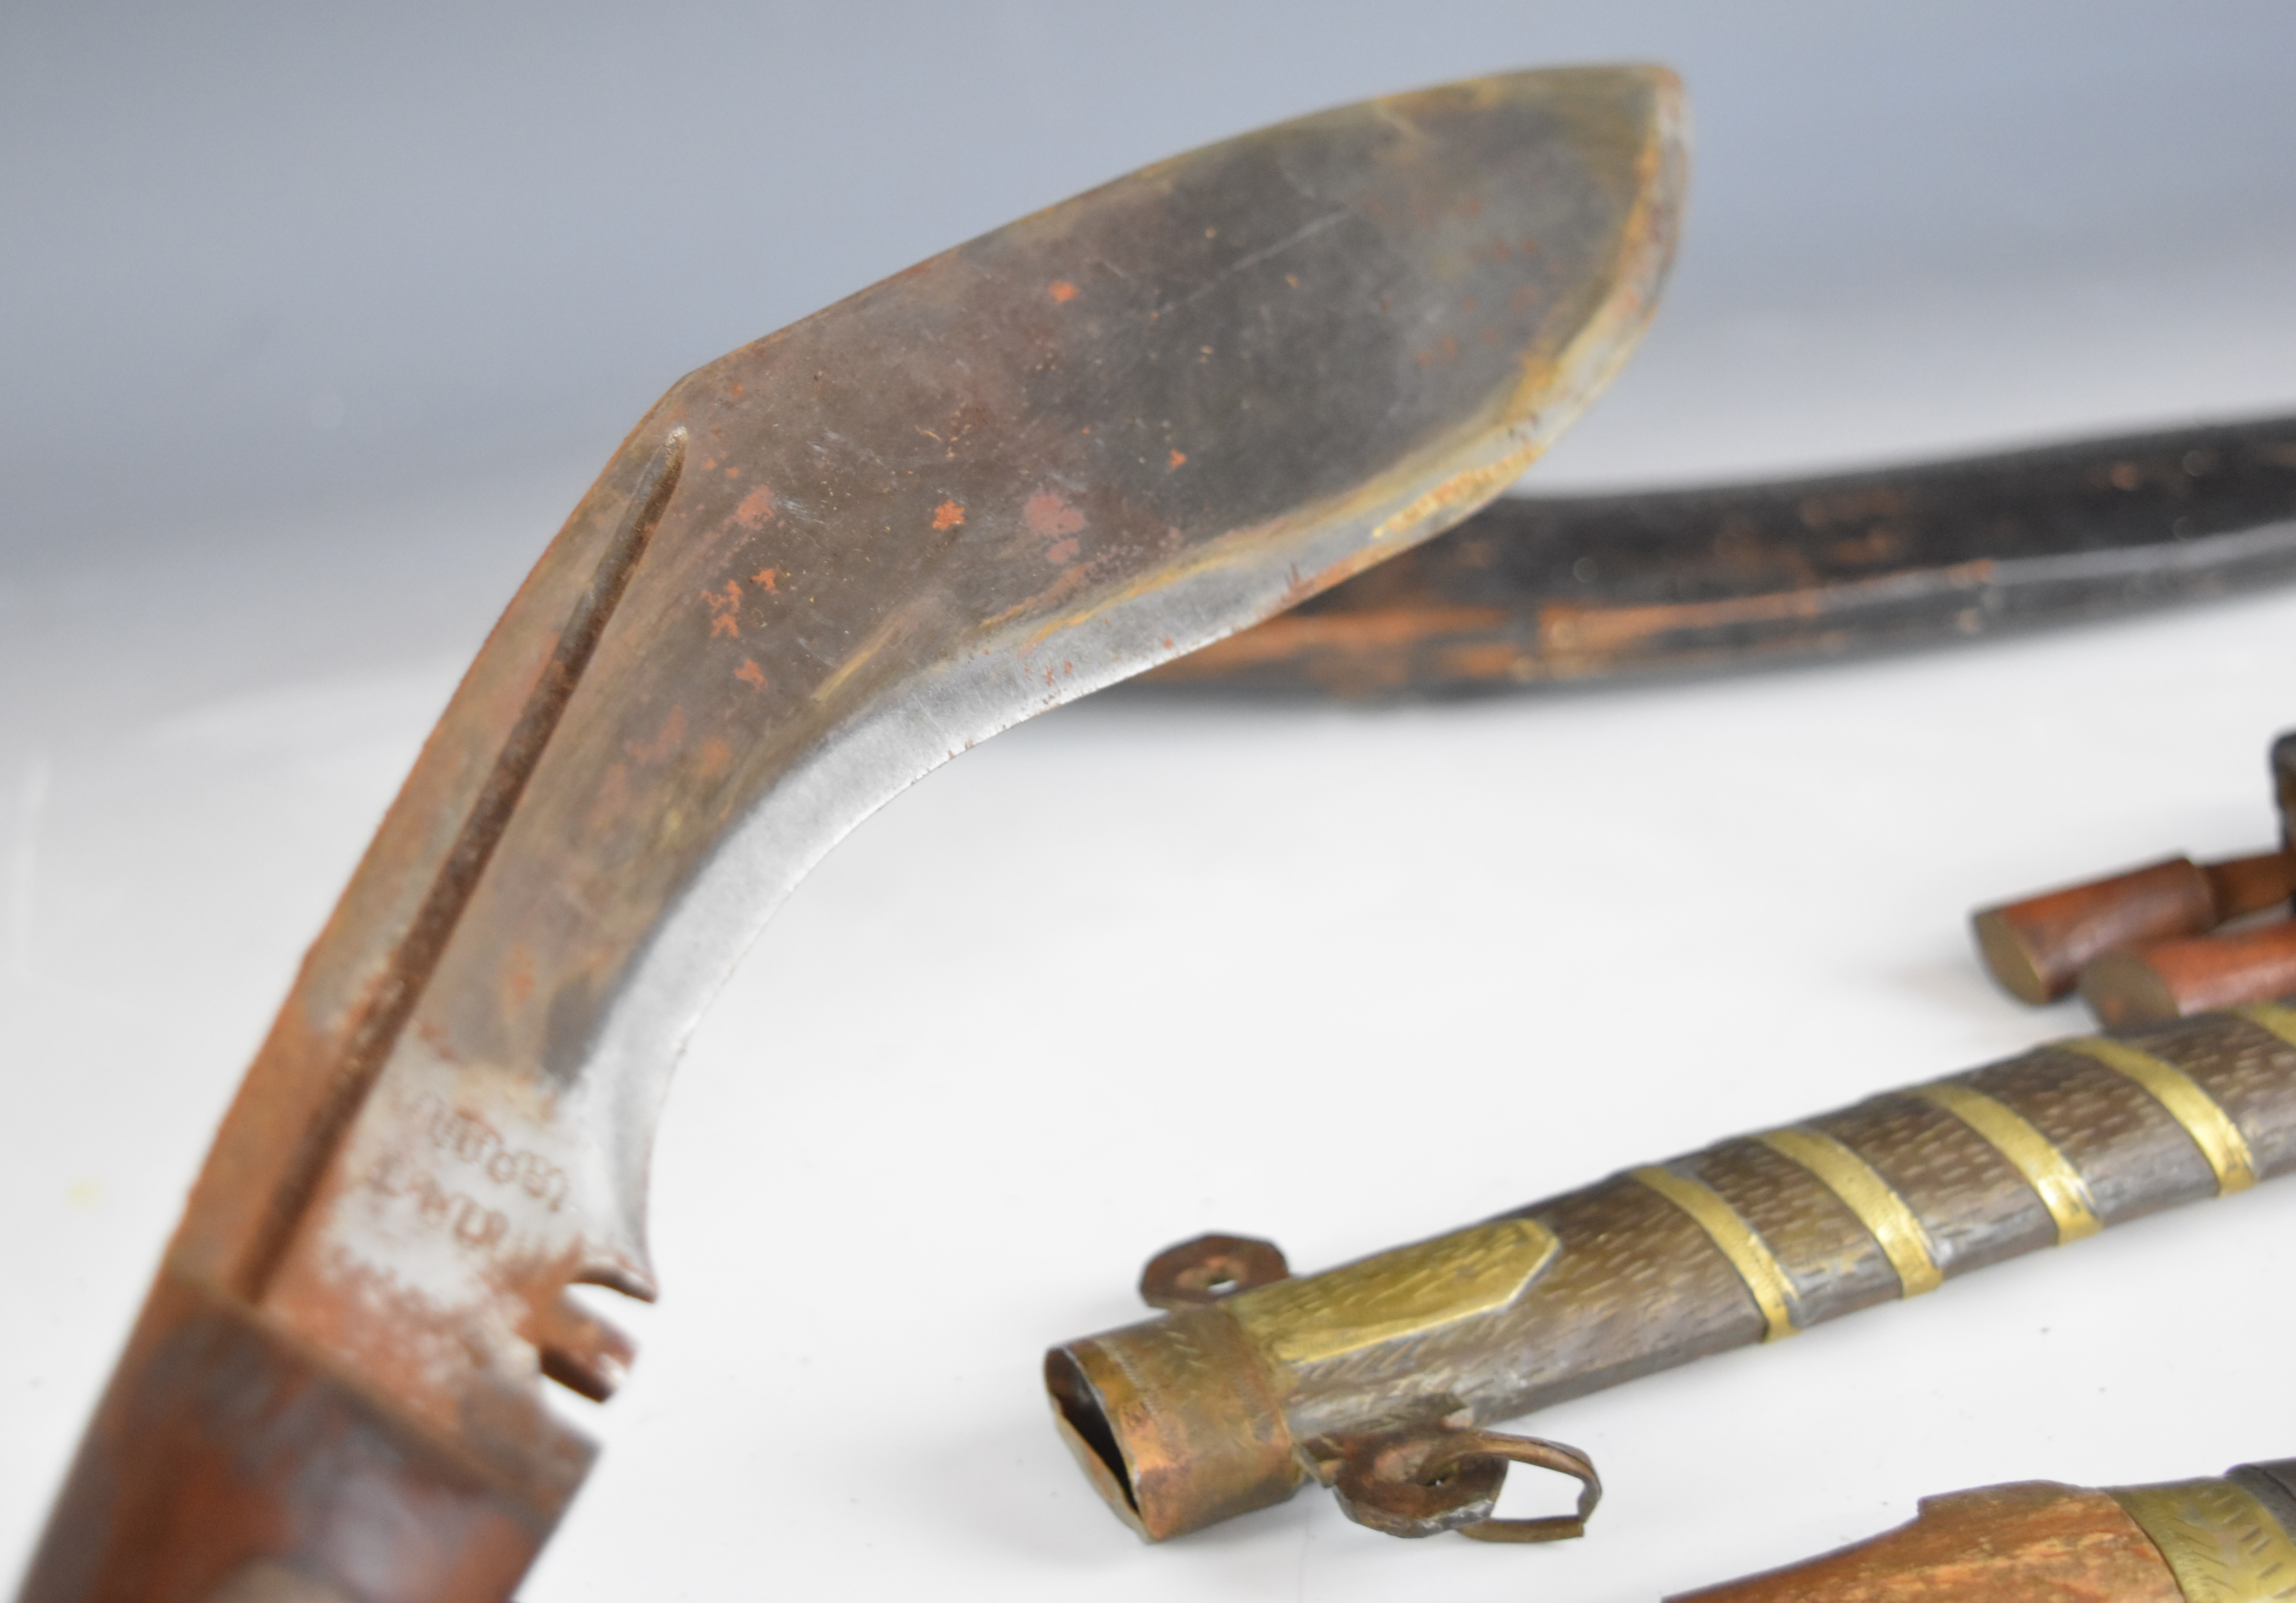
<point x="2220" y="1539"/>
<point x="1084" y="444"/>
<point x="1380" y="1377"/>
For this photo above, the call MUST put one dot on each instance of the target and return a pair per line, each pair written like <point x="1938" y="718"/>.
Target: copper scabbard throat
<point x="1232" y="1402"/>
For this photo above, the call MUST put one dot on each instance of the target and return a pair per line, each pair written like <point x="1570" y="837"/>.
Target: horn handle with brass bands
<point x="2217" y="1539"/>
<point x="1213" y="1410"/>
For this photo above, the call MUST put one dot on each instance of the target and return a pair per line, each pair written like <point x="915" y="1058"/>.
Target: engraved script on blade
<point x="1403" y="1293"/>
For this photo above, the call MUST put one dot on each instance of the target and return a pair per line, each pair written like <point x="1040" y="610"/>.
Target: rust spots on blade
<point x="948" y="516"/>
<point x="724" y="609"/>
<point x="756" y="509"/>
<point x="1049" y="514"/>
<point x="1062" y="292"/>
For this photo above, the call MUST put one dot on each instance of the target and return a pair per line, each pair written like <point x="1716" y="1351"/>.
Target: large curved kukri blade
<point x="1078" y="446"/>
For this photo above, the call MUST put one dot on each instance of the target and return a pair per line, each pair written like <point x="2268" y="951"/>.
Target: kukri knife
<point x="1087" y="443"/>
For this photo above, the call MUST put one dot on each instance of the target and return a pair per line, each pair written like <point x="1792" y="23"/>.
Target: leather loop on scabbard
<point x="2051" y="1174"/>
<point x="2211" y="1128"/>
<point x="1545" y="1455"/>
<point x="1422" y="1481"/>
<point x="1737" y="1240"/>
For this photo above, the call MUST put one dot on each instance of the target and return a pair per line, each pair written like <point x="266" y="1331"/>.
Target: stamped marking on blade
<point x="455" y="1206"/>
<point x="467" y="1135"/>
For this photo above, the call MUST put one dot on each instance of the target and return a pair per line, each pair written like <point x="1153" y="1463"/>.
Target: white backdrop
<point x="290" y="406"/>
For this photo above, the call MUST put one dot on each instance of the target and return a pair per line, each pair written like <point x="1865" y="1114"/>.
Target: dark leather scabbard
<point x="1537" y="591"/>
<point x="1228" y="1406"/>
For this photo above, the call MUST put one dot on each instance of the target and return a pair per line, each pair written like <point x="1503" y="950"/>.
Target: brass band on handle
<point x="1864" y="1193"/>
<point x="2210" y="1126"/>
<point x="2050" y="1173"/>
<point x="1737" y="1241"/>
<point x="2221" y="1544"/>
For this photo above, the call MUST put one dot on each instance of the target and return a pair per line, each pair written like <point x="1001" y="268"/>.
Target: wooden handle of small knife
<point x="2210" y="1540"/>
